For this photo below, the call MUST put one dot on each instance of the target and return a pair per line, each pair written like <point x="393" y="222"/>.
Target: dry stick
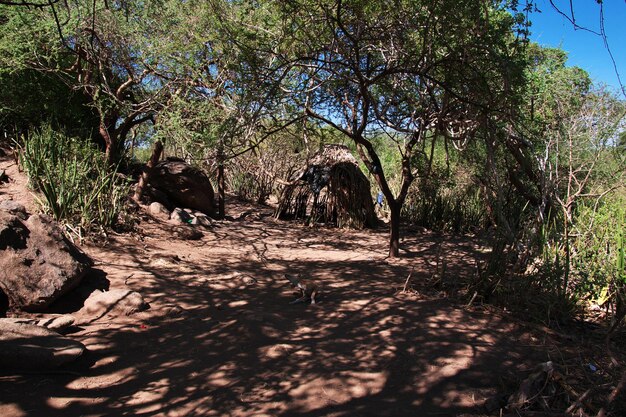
<point x="145" y="176"/>
<point x="440" y="268"/>
<point x="619" y="388"/>
<point x="579" y="402"/>
<point x="406" y="283"/>
<point x="572" y="392"/>
<point x="472" y="299"/>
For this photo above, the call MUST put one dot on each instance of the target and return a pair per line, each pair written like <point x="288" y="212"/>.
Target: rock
<point x="277" y="351"/>
<point x="158" y="210"/>
<point x="58" y="323"/>
<point x="180" y="216"/>
<point x="247" y="280"/>
<point x="154" y="194"/>
<point x="20" y="320"/>
<point x="532" y="386"/>
<point x="186" y="232"/>
<point x="202" y="220"/>
<point x="162" y="259"/>
<point x="184" y="185"/>
<point x="14" y="208"/>
<point x="3" y="176"/>
<point x="13" y="233"/>
<point x="172" y="310"/>
<point x="253" y="217"/>
<point x="70" y="303"/>
<point x="115" y="302"/>
<point x="37" y="263"/>
<point x="25" y="346"/>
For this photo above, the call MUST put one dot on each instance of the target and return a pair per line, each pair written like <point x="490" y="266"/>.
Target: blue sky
<point x="586" y="50"/>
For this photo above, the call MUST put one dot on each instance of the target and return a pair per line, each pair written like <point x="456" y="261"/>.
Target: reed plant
<point x="453" y="209"/>
<point x="76" y="185"/>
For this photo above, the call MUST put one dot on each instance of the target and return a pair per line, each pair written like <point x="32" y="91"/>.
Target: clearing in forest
<point x="222" y="339"/>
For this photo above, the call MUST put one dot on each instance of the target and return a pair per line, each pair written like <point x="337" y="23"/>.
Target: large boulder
<point x="26" y="346"/>
<point x="13" y="233"/>
<point x="37" y="263"/>
<point x="184" y="185"/>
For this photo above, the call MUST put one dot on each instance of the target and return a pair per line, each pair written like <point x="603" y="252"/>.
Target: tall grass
<point x="78" y="187"/>
<point x="597" y="274"/>
<point x="454" y="208"/>
<point x="444" y="195"/>
<point x="598" y="251"/>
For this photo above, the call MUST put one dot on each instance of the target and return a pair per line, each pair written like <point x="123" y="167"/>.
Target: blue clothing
<point x="379" y="199"/>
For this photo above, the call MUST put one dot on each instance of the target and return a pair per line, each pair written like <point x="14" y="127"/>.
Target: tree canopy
<point x="217" y="78"/>
<point x="404" y="69"/>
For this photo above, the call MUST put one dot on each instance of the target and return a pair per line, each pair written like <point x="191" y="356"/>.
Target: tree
<point x="30" y="99"/>
<point x="550" y="88"/>
<point x="570" y="14"/>
<point x="562" y="156"/>
<point x="221" y="107"/>
<point x="97" y="50"/>
<point x="408" y="70"/>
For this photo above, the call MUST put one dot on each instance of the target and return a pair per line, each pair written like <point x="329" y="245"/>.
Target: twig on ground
<point x="579" y="401"/>
<point x="616" y="391"/>
<point x="408" y="278"/>
<point x="472" y="299"/>
<point x="573" y="393"/>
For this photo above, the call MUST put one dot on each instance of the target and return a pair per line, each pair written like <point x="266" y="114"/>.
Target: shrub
<point x="77" y="185"/>
<point x="598" y="251"/>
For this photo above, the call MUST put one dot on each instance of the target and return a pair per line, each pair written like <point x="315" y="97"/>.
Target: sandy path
<point x="212" y="345"/>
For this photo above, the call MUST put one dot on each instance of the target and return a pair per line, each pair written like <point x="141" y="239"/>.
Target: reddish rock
<point x="37" y="263"/>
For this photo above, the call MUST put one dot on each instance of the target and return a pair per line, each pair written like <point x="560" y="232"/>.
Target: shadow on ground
<point x="214" y="346"/>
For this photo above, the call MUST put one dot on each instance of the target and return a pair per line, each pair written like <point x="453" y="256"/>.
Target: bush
<point x="598" y="251"/>
<point x="77" y="185"/>
<point x="596" y="269"/>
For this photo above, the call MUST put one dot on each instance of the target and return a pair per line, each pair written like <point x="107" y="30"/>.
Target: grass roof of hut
<point x="330" y="189"/>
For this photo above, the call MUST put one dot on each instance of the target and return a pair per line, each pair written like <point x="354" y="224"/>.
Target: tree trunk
<point x="566" y="273"/>
<point x="109" y="143"/>
<point x="394" y="229"/>
<point x="221" y="190"/>
<point x="145" y="176"/>
<point x="221" y="187"/>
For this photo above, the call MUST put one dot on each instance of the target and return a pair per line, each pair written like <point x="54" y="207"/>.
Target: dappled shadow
<point x="215" y="345"/>
<point x="95" y="279"/>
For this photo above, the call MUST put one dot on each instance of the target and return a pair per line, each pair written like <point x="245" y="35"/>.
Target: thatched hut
<point x="331" y="189"/>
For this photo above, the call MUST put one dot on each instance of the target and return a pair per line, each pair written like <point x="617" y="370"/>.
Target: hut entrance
<point x="331" y="189"/>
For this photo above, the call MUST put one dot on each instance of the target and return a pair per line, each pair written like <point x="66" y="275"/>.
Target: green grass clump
<point x="78" y="187"/>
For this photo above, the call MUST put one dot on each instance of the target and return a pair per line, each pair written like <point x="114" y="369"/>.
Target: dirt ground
<point x="214" y="343"/>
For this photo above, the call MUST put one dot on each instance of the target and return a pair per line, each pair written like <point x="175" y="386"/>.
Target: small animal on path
<point x="308" y="290"/>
